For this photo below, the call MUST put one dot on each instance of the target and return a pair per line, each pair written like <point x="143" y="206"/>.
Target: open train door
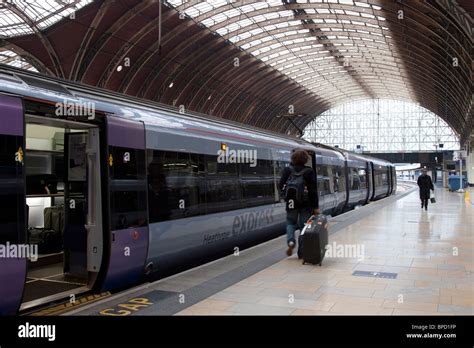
<point x="12" y="203"/>
<point x="128" y="202"/>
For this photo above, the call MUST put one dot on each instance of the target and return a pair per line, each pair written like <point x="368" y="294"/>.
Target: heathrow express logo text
<point x="243" y="223"/>
<point x="237" y="156"/>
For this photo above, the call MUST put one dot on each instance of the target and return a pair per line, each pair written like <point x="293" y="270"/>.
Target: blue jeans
<point x="295" y="219"/>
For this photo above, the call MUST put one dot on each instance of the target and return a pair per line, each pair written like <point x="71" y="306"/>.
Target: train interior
<point x="57" y="186"/>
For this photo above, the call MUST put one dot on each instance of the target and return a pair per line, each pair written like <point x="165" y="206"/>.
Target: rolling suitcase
<point x="313" y="240"/>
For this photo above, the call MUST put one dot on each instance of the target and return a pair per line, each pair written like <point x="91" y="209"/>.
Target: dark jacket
<point x="310" y="181"/>
<point x="425" y="184"/>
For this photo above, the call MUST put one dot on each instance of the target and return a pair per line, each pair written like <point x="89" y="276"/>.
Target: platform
<point x="415" y="262"/>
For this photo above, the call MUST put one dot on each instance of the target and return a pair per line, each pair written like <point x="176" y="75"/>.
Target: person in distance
<point x="425" y="184"/>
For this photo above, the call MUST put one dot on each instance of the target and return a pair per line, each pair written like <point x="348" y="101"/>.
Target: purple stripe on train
<point x="12" y="270"/>
<point x="125" y="133"/>
<point x="127" y="257"/>
<point x="11" y="115"/>
<point x="12" y="279"/>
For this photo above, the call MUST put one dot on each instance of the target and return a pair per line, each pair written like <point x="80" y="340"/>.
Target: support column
<point x="470" y="166"/>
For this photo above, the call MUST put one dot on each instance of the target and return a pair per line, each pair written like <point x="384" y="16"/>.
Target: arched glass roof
<point x="382" y="125"/>
<point x="11" y="58"/>
<point x="309" y="55"/>
<point x="330" y="47"/>
<point x="22" y="17"/>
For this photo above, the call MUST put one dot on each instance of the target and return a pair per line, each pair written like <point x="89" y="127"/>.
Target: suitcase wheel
<point x="320" y="264"/>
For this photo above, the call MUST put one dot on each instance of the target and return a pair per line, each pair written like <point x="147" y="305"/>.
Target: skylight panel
<point x="273" y="3"/>
<point x="232" y="13"/>
<point x="176" y="3"/>
<point x="277" y="45"/>
<point x="361" y="4"/>
<point x="203" y="7"/>
<point x="282" y="25"/>
<point x="367" y="15"/>
<point x="352" y="13"/>
<point x="192" y="12"/>
<point x="209" y="22"/>
<point x="322" y="11"/>
<point x="372" y="25"/>
<point x="256" y="31"/>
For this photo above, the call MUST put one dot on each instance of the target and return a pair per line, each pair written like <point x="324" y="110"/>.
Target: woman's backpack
<point x="295" y="191"/>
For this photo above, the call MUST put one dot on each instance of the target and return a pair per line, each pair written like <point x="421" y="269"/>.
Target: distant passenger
<point x="425" y="184"/>
<point x="298" y="187"/>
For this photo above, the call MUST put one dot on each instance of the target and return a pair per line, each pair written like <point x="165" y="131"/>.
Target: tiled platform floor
<point x="431" y="252"/>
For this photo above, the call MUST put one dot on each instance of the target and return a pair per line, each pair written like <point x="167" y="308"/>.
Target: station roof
<point x="252" y="61"/>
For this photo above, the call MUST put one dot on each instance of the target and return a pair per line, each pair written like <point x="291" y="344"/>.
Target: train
<point x="135" y="190"/>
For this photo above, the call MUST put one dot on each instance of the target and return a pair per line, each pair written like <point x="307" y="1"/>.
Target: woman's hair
<point x="299" y="158"/>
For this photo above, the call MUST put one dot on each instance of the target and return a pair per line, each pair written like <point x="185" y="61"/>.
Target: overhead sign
<point x="457" y="155"/>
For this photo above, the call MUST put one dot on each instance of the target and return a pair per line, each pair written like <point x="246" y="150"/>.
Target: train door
<point x="12" y="203"/>
<point x="394" y="180"/>
<point x="312" y="163"/>
<point x="127" y="205"/>
<point x="63" y="199"/>
<point x="368" y="178"/>
<point x="372" y="181"/>
<point x="389" y="180"/>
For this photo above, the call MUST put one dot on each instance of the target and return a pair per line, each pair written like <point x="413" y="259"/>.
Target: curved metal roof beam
<point x="44" y="40"/>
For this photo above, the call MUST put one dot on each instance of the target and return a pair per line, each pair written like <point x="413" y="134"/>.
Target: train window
<point x="322" y="174"/>
<point x="216" y="168"/>
<point x="354" y="179"/>
<point x="384" y="177"/>
<point x="128" y="206"/>
<point x="380" y="177"/>
<point x="339" y="179"/>
<point x="204" y="185"/>
<point x="222" y="194"/>
<point x="127" y="187"/>
<point x="363" y="178"/>
<point x="262" y="190"/>
<point x="176" y="188"/>
<point x="264" y="168"/>
<point x="222" y="186"/>
<point x="280" y="165"/>
<point x="125" y="162"/>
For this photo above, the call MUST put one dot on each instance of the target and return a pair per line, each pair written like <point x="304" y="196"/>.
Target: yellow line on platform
<point x="67" y="306"/>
